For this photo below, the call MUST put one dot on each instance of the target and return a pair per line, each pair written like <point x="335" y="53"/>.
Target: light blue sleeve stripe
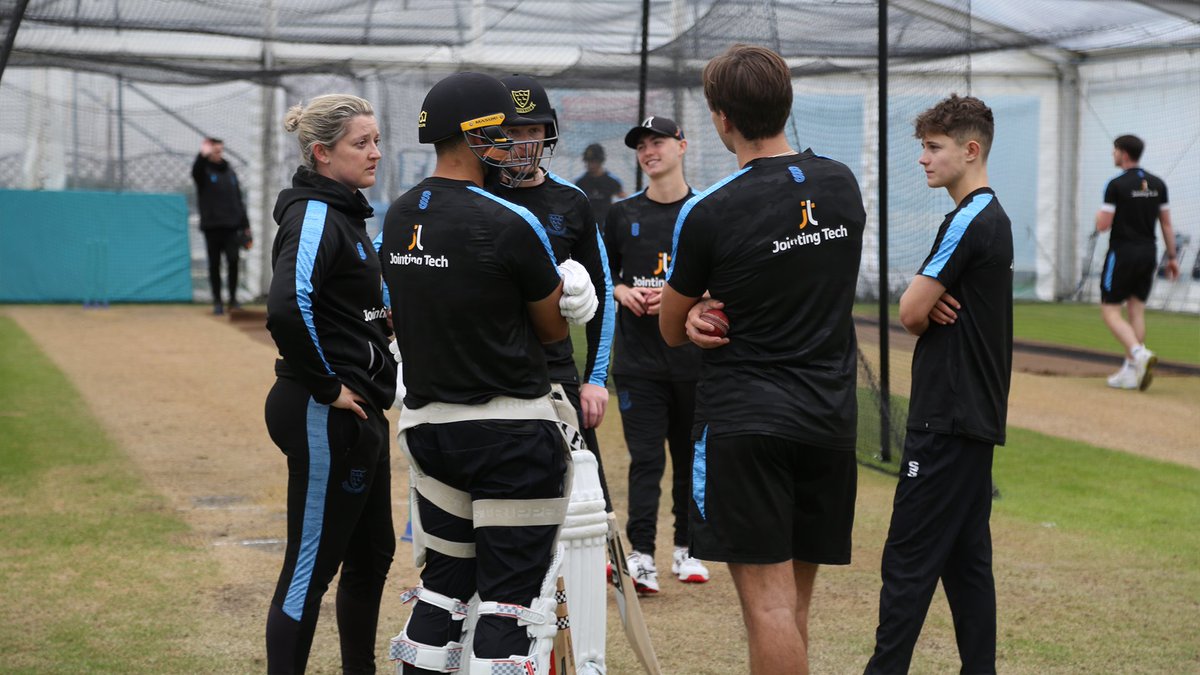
<point x="524" y="213"/>
<point x="599" y="374"/>
<point x="378" y="242"/>
<point x="317" y="425"/>
<point x="700" y="471"/>
<point x="630" y="196"/>
<point x="563" y="181"/>
<point x="687" y="208"/>
<point x="954" y="234"/>
<point x="306" y="257"/>
<point x="1109" y="264"/>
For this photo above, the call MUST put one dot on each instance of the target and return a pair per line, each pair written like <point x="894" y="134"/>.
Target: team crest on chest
<point x="557" y="223"/>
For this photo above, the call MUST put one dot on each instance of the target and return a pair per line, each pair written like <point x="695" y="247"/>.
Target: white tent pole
<point x="1066" y="256"/>
<point x="267" y="161"/>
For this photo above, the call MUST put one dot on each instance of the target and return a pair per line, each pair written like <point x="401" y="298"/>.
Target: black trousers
<point x="653" y="411"/>
<point x="219" y="243"/>
<point x="493" y="459"/>
<point x="939" y="530"/>
<point x="339" y="514"/>
<point x="571" y="389"/>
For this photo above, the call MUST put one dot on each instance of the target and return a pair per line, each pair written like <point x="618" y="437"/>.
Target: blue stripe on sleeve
<point x="954" y="234"/>
<point x="563" y="181"/>
<point x="700" y="471"/>
<point x="378" y="243"/>
<point x="524" y="213"/>
<point x="317" y="425"/>
<point x="687" y="208"/>
<point x="306" y="256"/>
<point x="599" y="374"/>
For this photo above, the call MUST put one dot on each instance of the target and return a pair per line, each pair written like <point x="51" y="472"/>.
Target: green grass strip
<point x="1123" y="500"/>
<point x="92" y="577"/>
<point x="1174" y="336"/>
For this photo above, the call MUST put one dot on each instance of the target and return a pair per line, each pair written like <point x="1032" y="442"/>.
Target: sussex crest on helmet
<point x="522" y="98"/>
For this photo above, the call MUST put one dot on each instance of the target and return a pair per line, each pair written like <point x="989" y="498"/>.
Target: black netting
<point x="116" y="95"/>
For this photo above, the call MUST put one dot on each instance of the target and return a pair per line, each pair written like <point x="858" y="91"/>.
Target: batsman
<point x="476" y="291"/>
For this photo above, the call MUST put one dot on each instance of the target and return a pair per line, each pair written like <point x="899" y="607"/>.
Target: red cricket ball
<point x="718" y="323"/>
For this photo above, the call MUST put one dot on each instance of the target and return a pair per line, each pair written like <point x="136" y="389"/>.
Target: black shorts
<point x="1128" y="272"/>
<point x="766" y="499"/>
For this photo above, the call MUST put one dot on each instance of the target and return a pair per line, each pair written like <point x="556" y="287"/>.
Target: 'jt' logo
<point x="664" y="261"/>
<point x="416" y="241"/>
<point x="808" y="216"/>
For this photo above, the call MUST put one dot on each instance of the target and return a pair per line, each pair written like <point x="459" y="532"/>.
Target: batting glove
<point x="578" y="303"/>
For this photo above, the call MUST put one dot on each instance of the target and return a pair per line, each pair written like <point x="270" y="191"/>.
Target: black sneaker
<point x="218" y="309"/>
<point x="235" y="306"/>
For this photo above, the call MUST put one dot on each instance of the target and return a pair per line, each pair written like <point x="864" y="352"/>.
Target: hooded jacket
<point x="218" y="196"/>
<point x="325" y="309"/>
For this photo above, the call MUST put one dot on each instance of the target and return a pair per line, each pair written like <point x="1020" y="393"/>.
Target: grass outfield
<point x="92" y="577"/>
<point x="1174" y="336"/>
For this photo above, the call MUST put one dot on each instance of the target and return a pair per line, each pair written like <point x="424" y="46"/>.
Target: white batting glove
<point x="578" y="303"/>
<point x="394" y="348"/>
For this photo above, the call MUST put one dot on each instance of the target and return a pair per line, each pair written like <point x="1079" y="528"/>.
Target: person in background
<point x="223" y="219"/>
<point x="1133" y="201"/>
<point x="600" y="186"/>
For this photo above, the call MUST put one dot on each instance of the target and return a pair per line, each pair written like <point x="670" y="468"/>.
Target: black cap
<point x="659" y="126"/>
<point x="594" y="153"/>
<point x="464" y="101"/>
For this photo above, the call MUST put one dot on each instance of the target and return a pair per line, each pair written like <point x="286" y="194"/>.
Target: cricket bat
<point x="627" y="602"/>
<point x="562" y="661"/>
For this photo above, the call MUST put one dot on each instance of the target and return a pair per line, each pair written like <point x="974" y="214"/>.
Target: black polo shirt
<point x="600" y="191"/>
<point x="638" y="237"/>
<point x="961" y="372"/>
<point x="565" y="213"/>
<point x="779" y="243"/>
<point x="460" y="266"/>
<point x="1135" y="197"/>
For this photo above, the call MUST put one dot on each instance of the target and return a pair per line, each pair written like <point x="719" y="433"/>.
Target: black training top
<point x="566" y="215"/>
<point x="218" y="196"/>
<point x="961" y="372"/>
<point x="779" y="243"/>
<point x="600" y="191"/>
<point x="460" y="266"/>
<point x="325" y="307"/>
<point x="638" y="234"/>
<point x="1135" y="197"/>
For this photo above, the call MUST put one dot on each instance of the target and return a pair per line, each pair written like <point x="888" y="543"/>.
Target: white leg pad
<point x="584" y="540"/>
<point x="444" y="659"/>
<point x="540" y="623"/>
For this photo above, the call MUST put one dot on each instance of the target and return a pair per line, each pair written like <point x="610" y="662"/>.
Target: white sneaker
<point x="643" y="572"/>
<point x="1125" y="378"/>
<point x="1144" y="361"/>
<point x="687" y="569"/>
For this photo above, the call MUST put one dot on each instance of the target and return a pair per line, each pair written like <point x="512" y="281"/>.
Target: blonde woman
<point x="335" y="379"/>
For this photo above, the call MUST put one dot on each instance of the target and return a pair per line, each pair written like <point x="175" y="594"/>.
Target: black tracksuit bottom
<point x="339" y="513"/>
<point x="651" y="411"/>
<point x="939" y="530"/>
<point x="220" y="243"/>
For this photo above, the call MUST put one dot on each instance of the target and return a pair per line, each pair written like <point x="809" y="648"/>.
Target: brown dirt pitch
<point x="181" y="392"/>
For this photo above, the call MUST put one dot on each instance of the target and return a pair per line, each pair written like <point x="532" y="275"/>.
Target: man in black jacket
<point x="222" y="217"/>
